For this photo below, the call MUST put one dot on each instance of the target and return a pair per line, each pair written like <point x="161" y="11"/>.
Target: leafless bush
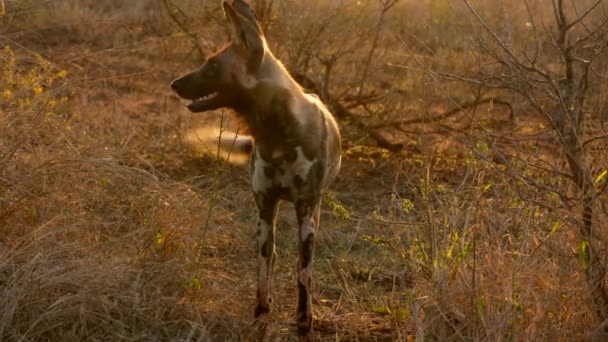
<point x="550" y="68"/>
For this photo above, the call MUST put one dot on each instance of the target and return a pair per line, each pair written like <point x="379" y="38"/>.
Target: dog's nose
<point x="175" y="85"/>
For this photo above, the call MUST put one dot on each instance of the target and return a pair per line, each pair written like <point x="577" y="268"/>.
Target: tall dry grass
<point x="97" y="243"/>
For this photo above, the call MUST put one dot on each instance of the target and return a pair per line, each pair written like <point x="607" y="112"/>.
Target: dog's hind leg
<point x="268" y="209"/>
<point x="308" y="221"/>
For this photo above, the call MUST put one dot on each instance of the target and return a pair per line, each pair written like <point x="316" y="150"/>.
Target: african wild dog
<point x="294" y="140"/>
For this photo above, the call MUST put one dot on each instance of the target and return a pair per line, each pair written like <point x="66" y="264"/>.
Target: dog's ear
<point x="246" y="32"/>
<point x="242" y="8"/>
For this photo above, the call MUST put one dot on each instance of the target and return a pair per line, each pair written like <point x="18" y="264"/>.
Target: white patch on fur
<point x="277" y="153"/>
<point x="284" y="172"/>
<point x="306" y="229"/>
<point x="301" y="108"/>
<point x="306" y="106"/>
<point x="249" y="81"/>
<point x="301" y="166"/>
<point x="264" y="230"/>
<point x="259" y="181"/>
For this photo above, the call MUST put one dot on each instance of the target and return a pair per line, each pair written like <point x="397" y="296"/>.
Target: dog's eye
<point x="212" y="67"/>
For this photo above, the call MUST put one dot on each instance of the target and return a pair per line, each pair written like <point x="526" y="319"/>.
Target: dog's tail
<point x="230" y="146"/>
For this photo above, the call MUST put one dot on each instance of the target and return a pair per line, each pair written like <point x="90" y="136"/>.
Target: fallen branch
<point x="439" y="117"/>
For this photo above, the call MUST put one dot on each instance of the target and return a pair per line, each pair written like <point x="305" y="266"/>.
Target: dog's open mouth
<point x="202" y="103"/>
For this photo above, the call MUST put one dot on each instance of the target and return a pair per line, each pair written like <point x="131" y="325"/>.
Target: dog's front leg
<point x="268" y="209"/>
<point x="308" y="221"/>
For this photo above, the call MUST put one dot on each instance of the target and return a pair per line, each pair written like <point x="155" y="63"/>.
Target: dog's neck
<point x="266" y="107"/>
<point x="272" y="69"/>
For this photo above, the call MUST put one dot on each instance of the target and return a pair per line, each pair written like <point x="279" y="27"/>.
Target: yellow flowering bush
<point x="32" y="96"/>
<point x="29" y="82"/>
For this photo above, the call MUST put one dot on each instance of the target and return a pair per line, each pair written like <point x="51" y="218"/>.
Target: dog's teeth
<point x="204" y="98"/>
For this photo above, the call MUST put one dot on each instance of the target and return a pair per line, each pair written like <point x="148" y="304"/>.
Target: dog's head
<point x="227" y="74"/>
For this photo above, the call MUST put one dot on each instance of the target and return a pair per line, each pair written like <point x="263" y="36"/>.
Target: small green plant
<point x="376" y="240"/>
<point x="382" y="310"/>
<point x="407" y="205"/>
<point x="367" y="153"/>
<point x="600" y="180"/>
<point x="193" y="286"/>
<point x="336" y="206"/>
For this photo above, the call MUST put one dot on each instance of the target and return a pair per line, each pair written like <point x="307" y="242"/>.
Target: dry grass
<point x="112" y="228"/>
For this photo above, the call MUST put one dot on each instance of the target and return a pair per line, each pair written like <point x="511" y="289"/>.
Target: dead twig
<point x="173" y="11"/>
